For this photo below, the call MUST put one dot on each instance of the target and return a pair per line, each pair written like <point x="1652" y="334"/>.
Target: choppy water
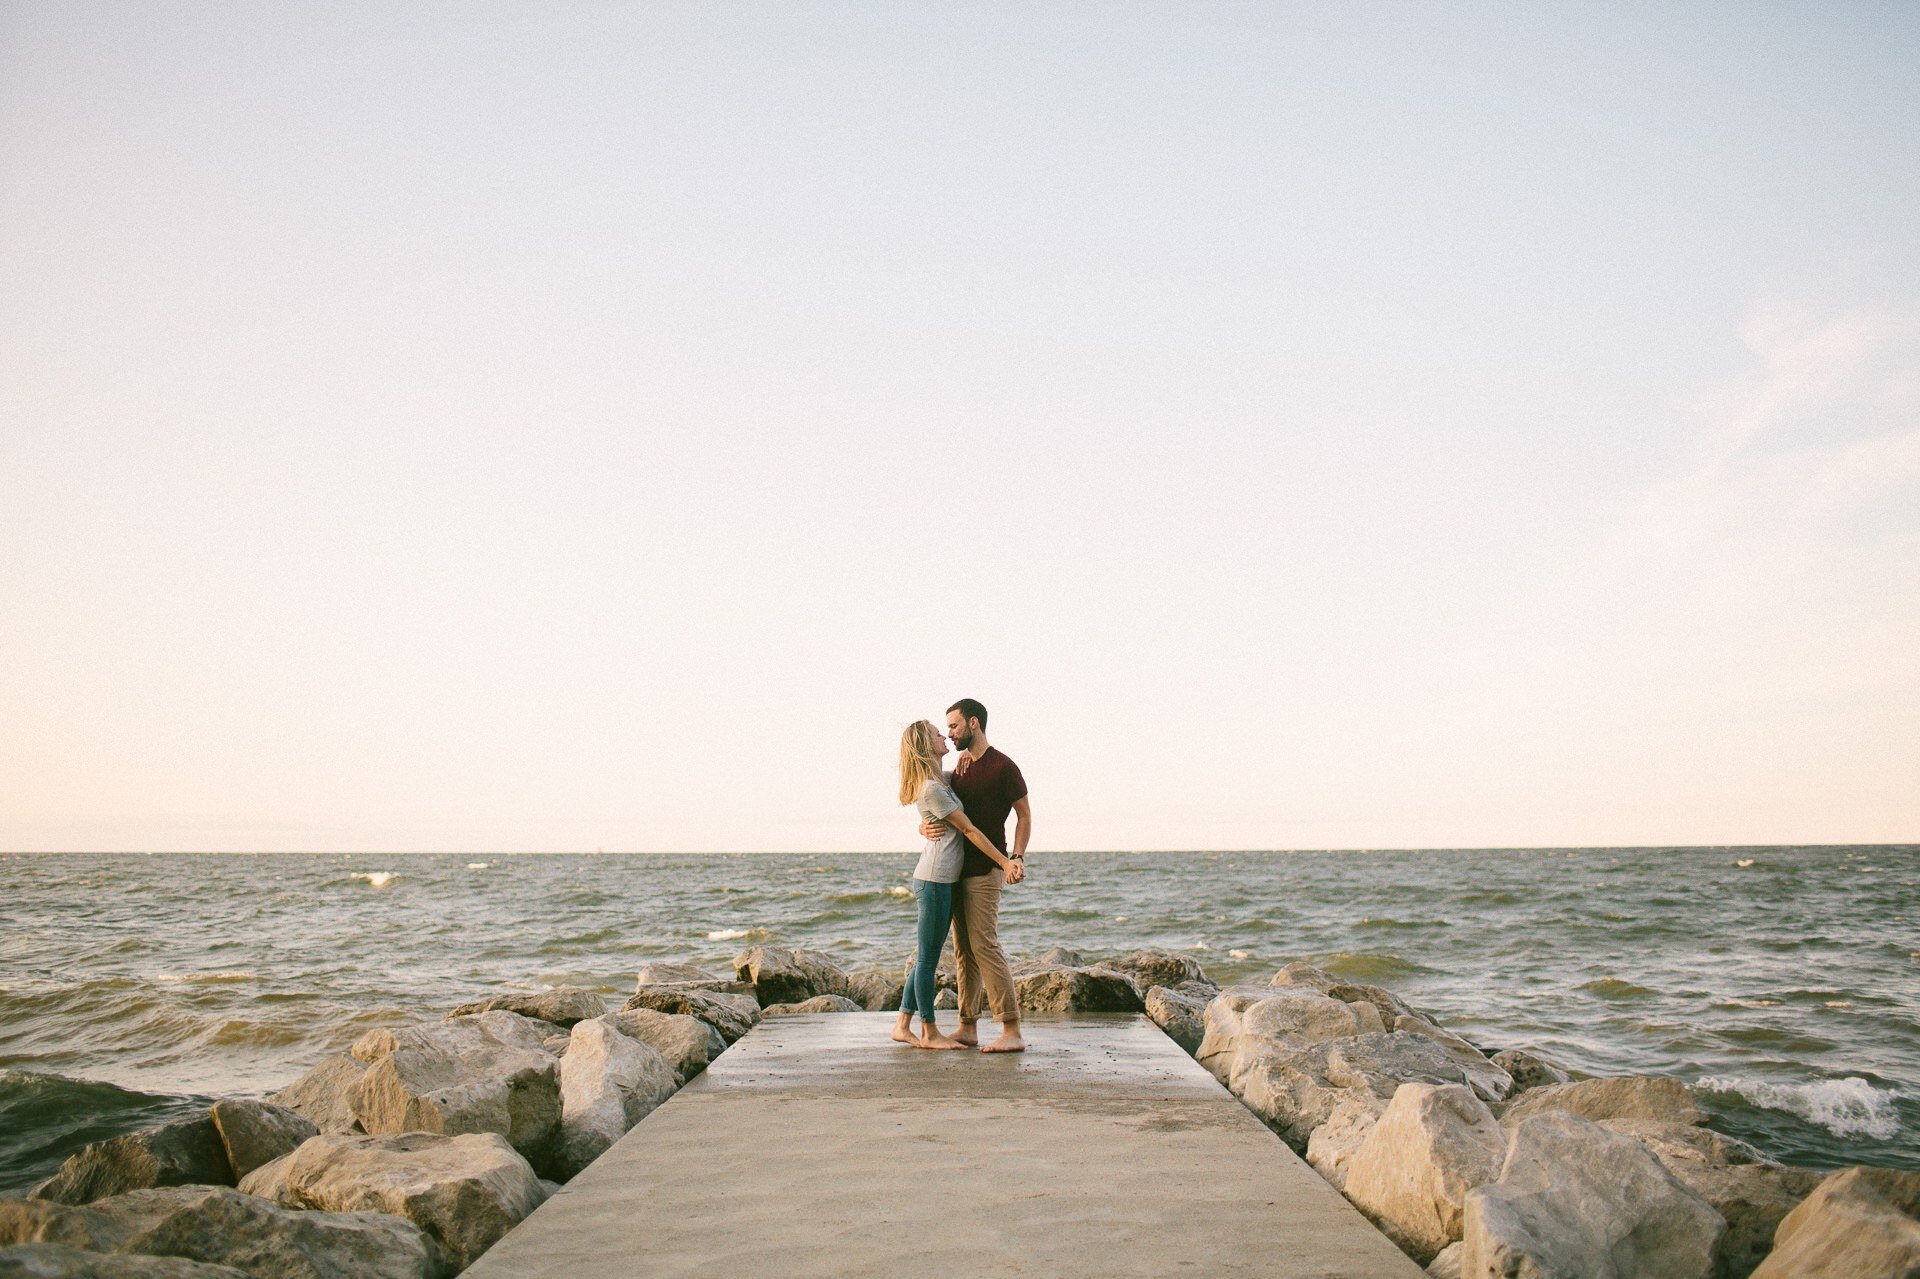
<point x="1784" y="983"/>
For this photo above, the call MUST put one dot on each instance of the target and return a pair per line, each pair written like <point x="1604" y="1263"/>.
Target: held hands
<point x="1016" y="870"/>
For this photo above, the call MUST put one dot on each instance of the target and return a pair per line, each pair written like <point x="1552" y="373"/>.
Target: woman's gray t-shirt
<point x="940" y="863"/>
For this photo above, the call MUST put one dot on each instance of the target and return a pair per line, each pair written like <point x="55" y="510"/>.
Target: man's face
<point x="959" y="730"/>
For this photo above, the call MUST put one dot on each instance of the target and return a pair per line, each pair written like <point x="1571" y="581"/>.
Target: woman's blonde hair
<point x="920" y="757"/>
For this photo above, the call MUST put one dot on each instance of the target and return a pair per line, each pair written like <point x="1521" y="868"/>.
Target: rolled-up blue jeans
<point x="936" y="913"/>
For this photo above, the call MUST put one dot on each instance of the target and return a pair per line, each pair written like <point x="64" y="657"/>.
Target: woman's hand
<point x="1016" y="870"/>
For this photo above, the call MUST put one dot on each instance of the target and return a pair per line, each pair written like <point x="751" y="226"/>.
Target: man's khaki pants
<point x="979" y="964"/>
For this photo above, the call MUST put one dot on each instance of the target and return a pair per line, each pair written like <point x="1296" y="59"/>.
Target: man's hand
<point x="932" y="829"/>
<point x="1016" y="872"/>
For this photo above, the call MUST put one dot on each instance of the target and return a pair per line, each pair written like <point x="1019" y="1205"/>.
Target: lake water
<point x="1782" y="984"/>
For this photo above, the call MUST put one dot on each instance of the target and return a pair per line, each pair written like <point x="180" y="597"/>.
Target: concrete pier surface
<point x="816" y="1147"/>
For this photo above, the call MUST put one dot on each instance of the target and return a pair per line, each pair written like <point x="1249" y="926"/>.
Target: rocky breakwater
<point x="1496" y="1165"/>
<point x="404" y="1157"/>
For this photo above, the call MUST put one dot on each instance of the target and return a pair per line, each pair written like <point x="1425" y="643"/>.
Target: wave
<point x="1369" y="967"/>
<point x="1746" y="1003"/>
<point x="1850" y="1107"/>
<point x="1615" y="988"/>
<point x="376" y="878"/>
<point x="735" y="934"/>
<point x="1373" y="922"/>
<point x="45" y="1117"/>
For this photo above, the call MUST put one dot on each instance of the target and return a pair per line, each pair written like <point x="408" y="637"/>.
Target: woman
<point x="924" y="783"/>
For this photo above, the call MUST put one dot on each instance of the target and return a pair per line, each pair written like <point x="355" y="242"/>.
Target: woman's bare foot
<point x="1009" y="1042"/>
<point x="940" y="1042"/>
<point x="903" y="1033"/>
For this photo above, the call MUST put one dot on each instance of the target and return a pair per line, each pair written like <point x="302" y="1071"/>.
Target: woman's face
<point x="939" y="742"/>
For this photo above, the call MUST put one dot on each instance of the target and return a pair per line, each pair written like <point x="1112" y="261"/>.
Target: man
<point x="989" y="786"/>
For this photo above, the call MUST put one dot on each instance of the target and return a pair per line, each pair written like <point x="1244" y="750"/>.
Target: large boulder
<point x="563" y="1005"/>
<point x="1331" y="1148"/>
<point x="781" y="975"/>
<point x="818" y="1004"/>
<point x="1243" y="1026"/>
<point x="1487" y="1079"/>
<point x="321" y="1094"/>
<point x="1575" y="1201"/>
<point x="731" y="1015"/>
<point x="1076" y="990"/>
<point x="1432" y="1144"/>
<point x="1754" y="1199"/>
<point x="464" y="1192"/>
<point x="184" y="1152"/>
<point x="663" y="973"/>
<point x="608" y="1083"/>
<point x="875" y="990"/>
<point x="1626" y="1097"/>
<point x="1051" y="957"/>
<point x="1155" y="967"/>
<point x="1181" y="1011"/>
<point x="1860" y="1223"/>
<point x="258" y="1132"/>
<point x="688" y="1044"/>
<point x="1301" y="973"/>
<point x="1529" y="1069"/>
<point x="1677" y="1143"/>
<point x="1294" y="1093"/>
<point x="57" y="1261"/>
<point x="1383" y="1001"/>
<point x="1447" y="1264"/>
<point x="480" y="1074"/>
<point x="225" y="1227"/>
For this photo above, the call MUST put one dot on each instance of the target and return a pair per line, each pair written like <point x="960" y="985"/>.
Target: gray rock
<point x="1331" y="1148"/>
<point x="185" y="1152"/>
<point x="1181" y="1011"/>
<point x="1488" y="1079"/>
<point x="57" y="1261"/>
<point x="1529" y="1069"/>
<point x="608" y="1083"/>
<point x="1300" y="973"/>
<point x="1077" y="990"/>
<point x="1156" y="967"/>
<point x="1447" y="1264"/>
<point x="257" y="1132"/>
<point x="662" y="973"/>
<point x="475" y="1075"/>
<point x="1860" y="1223"/>
<point x="875" y="990"/>
<point x="464" y="1192"/>
<point x="1432" y="1144"/>
<point x="1245" y="1026"/>
<point x="731" y="1015"/>
<point x="1624" y="1097"/>
<point x="219" y="1226"/>
<point x="1675" y="1143"/>
<point x="563" y="1005"/>
<point x="818" y="1004"/>
<point x="946" y="999"/>
<point x="688" y="1044"/>
<point x="555" y="1044"/>
<point x="321" y="1094"/>
<point x="1754" y="1199"/>
<point x="1052" y="957"/>
<point x="781" y="975"/>
<point x="1389" y="1005"/>
<point x="1575" y="1201"/>
<point x="1294" y="1093"/>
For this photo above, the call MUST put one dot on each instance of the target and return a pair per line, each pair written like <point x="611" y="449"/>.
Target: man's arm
<point x="1022" y="826"/>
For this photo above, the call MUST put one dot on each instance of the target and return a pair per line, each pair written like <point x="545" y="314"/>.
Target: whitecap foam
<point x="899" y="890"/>
<point x="1744" y="862"/>
<point x="1849" y="1107"/>
<point x="1199" y="945"/>
<point x="1240" y="954"/>
<point x="1746" y="1003"/>
<point x="376" y="878"/>
<point x="478" y="865"/>
<point x="735" y="934"/>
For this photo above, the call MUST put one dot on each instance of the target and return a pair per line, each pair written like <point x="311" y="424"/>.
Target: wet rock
<point x="220" y="1226"/>
<point x="1529" y="1070"/>
<point x="1754" y="1198"/>
<point x="1077" y="990"/>
<point x="1331" y="1148"/>
<point x="1447" y="1264"/>
<point x="1432" y="1144"/>
<point x="1624" y="1097"/>
<point x="875" y="990"/>
<point x="1859" y="1223"/>
<point x="185" y="1152"/>
<point x="464" y="1192"/>
<point x="321" y="1094"/>
<point x="474" y="1075"/>
<point x="688" y="1044"/>
<point x="256" y="1132"/>
<point x="57" y="1261"/>
<point x="608" y="1083"/>
<point x="1243" y="1025"/>
<point x="1575" y="1201"/>
<point x="1296" y="1093"/>
<point x="731" y="1015"/>
<point x="1181" y="1011"/>
<point x="818" y="1004"/>
<point x="1674" y="1143"/>
<point x="1156" y="967"/>
<point x="780" y="975"/>
<point x="563" y="1005"/>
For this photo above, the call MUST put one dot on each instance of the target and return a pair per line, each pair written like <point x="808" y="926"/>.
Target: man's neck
<point x="977" y="747"/>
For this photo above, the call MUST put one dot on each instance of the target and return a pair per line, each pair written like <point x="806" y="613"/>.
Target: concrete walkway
<point x="817" y="1147"/>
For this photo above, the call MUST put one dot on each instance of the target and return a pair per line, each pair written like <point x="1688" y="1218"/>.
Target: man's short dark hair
<point x="970" y="709"/>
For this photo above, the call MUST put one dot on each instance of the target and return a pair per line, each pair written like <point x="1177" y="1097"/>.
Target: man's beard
<point x="962" y="740"/>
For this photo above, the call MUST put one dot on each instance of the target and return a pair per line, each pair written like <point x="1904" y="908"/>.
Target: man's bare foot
<point x="940" y="1042"/>
<point x="1009" y="1042"/>
<point x="903" y="1034"/>
<point x="967" y="1035"/>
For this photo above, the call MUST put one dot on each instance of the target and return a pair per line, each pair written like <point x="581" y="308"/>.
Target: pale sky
<point x="496" y="426"/>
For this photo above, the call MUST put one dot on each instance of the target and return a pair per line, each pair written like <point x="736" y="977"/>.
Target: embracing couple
<point x="959" y="876"/>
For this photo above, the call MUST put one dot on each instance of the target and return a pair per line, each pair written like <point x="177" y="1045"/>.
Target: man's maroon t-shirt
<point x="988" y="790"/>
